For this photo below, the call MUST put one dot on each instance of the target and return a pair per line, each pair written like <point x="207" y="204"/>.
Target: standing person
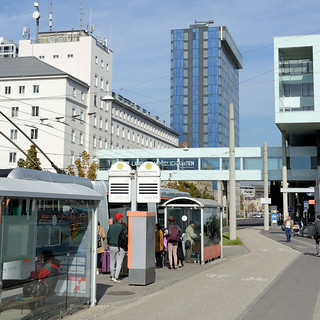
<point x="110" y="221"/>
<point x="190" y="237"/>
<point x="116" y="253"/>
<point x="100" y="246"/>
<point x="173" y="237"/>
<point x="159" y="246"/>
<point x="165" y="247"/>
<point x="180" y="252"/>
<point x="316" y="235"/>
<point x="288" y="224"/>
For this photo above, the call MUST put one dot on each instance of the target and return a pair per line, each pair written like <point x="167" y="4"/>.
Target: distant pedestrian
<point x="110" y="221"/>
<point x="301" y="228"/>
<point x="316" y="234"/>
<point x="159" y="246"/>
<point x="174" y="232"/>
<point x="288" y="224"/>
<point x="116" y="253"/>
<point x="189" y="240"/>
<point x="100" y="246"/>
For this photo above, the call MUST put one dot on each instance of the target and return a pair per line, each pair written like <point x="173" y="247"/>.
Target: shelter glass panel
<point x="46" y="256"/>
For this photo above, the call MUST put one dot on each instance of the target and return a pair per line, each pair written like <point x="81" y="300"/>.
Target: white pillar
<point x="232" y="180"/>
<point x="284" y="176"/>
<point x="265" y="180"/>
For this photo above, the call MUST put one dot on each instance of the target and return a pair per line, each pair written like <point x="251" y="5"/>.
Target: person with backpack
<point x="316" y="235"/>
<point x="174" y="231"/>
<point x="116" y="252"/>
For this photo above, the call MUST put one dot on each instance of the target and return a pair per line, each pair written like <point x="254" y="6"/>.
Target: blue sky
<point x="140" y="40"/>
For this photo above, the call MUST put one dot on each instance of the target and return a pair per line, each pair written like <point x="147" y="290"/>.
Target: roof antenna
<point x="36" y="16"/>
<point x="50" y="17"/>
<point x="81" y="14"/>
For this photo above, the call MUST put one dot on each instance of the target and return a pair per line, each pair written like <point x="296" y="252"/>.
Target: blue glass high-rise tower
<point x="205" y="65"/>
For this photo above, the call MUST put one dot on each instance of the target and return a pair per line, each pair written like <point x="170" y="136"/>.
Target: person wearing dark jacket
<point x="116" y="253"/>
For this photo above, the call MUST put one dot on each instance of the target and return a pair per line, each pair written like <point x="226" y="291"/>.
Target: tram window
<point x="18" y="207"/>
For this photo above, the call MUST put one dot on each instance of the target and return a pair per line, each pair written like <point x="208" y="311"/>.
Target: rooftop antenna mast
<point x="81" y="14"/>
<point x="36" y="16"/>
<point x="50" y="17"/>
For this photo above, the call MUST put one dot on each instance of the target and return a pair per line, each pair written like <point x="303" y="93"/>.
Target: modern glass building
<point x="297" y="106"/>
<point x="205" y="63"/>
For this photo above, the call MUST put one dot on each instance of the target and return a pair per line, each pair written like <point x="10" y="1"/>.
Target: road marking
<point x="264" y="250"/>
<point x="254" y="279"/>
<point x="218" y="276"/>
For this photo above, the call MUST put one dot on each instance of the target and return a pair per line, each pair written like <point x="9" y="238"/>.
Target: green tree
<point x="27" y="163"/>
<point x="85" y="169"/>
<point x="189" y="187"/>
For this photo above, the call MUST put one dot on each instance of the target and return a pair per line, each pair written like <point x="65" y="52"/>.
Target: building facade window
<point x="74" y="92"/>
<point x="34" y="133"/>
<point x="81" y="139"/>
<point x="95" y="100"/>
<point x="55" y="56"/>
<point x="70" y="55"/>
<point x="22" y="89"/>
<point x="72" y="157"/>
<point x="35" y="111"/>
<point x="14" y="112"/>
<point x="7" y="90"/>
<point x="14" y="134"/>
<point x="41" y="57"/>
<point x="12" y="157"/>
<point x="36" y="88"/>
<point x="82" y="96"/>
<point x="73" y="136"/>
<point x="95" y="80"/>
<point x="94" y="141"/>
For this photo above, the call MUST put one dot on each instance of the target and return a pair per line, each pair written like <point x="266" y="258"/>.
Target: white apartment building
<point x="134" y="128"/>
<point x="8" y="49"/>
<point x="50" y="107"/>
<point x="85" y="58"/>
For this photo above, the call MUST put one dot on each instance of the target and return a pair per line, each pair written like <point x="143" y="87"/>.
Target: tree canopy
<point x="191" y="188"/>
<point x="29" y="164"/>
<point x="84" y="168"/>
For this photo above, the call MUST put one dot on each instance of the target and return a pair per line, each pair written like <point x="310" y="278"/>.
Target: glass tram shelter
<point x="45" y="218"/>
<point x="207" y="217"/>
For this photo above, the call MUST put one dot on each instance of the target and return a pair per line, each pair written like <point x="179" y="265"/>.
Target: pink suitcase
<point x="105" y="257"/>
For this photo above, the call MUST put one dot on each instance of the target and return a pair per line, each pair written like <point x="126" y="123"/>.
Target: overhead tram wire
<point x="58" y="170"/>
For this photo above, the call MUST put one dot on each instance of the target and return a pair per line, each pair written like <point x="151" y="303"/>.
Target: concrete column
<point x="284" y="176"/>
<point x="232" y="179"/>
<point x="265" y="180"/>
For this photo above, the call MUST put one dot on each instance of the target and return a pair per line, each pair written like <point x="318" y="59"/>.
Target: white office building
<point x="8" y="49"/>
<point x="45" y="103"/>
<point x="297" y="105"/>
<point x="133" y="127"/>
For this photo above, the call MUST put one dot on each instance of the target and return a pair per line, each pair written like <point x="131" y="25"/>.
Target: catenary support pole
<point x="265" y="180"/>
<point x="232" y="179"/>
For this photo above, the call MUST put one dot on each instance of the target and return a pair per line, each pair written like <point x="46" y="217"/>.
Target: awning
<point x="42" y="189"/>
<point x="192" y="202"/>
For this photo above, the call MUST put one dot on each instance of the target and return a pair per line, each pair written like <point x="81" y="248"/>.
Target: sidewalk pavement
<point x="222" y="289"/>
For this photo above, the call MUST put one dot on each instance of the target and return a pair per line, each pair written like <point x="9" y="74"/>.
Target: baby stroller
<point x="296" y="229"/>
